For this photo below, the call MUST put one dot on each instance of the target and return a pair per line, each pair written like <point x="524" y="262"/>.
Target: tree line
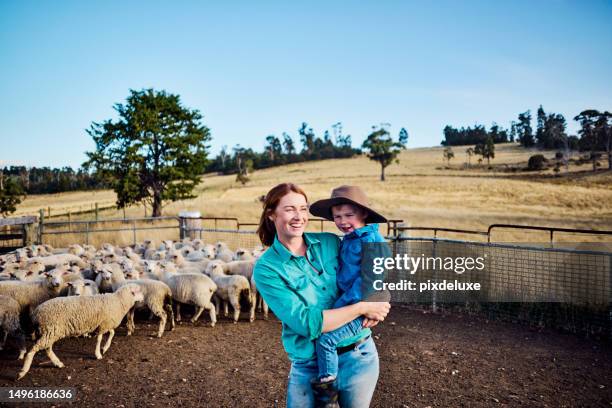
<point x="283" y="150"/>
<point x="47" y="180"/>
<point x="594" y="135"/>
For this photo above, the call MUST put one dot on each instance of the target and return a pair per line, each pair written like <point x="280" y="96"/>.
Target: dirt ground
<point x="427" y="360"/>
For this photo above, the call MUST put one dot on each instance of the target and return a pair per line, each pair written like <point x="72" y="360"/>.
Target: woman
<point x="297" y="278"/>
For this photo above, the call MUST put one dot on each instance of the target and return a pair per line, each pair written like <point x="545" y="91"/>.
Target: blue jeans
<point x="327" y="356"/>
<point x="357" y="377"/>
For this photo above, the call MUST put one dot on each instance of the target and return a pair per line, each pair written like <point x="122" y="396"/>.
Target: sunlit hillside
<point x="420" y="190"/>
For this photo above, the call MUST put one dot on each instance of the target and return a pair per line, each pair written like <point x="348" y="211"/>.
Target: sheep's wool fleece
<point x="78" y="315"/>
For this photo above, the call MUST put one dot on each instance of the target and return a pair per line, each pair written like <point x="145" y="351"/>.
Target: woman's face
<point x="290" y="216"/>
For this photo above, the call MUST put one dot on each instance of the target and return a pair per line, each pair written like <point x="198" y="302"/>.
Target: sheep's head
<point x="134" y="291"/>
<point x="150" y="266"/>
<point x="107" y="273"/>
<point x="53" y="281"/>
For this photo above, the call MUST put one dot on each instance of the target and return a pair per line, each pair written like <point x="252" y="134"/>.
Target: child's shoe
<point x="325" y="393"/>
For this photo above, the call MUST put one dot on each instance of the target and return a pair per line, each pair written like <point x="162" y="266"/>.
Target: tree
<point x="155" y="151"/>
<point x="274" y="148"/>
<point x="524" y="130"/>
<point x="380" y="147"/>
<point x="541" y="137"/>
<point x="469" y="151"/>
<point x="448" y="154"/>
<point x="603" y="129"/>
<point x="244" y="164"/>
<point x="588" y="133"/>
<point x="486" y="150"/>
<point x="403" y="136"/>
<point x="288" y="144"/>
<point x="11" y="195"/>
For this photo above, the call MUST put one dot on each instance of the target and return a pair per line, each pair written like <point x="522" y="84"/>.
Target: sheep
<point x="9" y="323"/>
<point x="185" y="266"/>
<point x="59" y="259"/>
<point x="31" y="294"/>
<point x="157" y="297"/>
<point x="234" y="289"/>
<point x="260" y="303"/>
<point x="242" y="254"/>
<point x="73" y="316"/>
<point x="131" y="255"/>
<point x="223" y="253"/>
<point x="32" y="272"/>
<point x="82" y="287"/>
<point x="204" y="252"/>
<point x="193" y="289"/>
<point x="104" y="286"/>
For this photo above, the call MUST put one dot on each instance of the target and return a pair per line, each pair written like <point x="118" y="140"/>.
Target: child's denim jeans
<point x="327" y="356"/>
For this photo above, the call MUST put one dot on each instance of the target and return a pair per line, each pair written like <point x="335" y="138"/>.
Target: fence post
<point x="97" y="211"/>
<point x="87" y="233"/>
<point x="134" y="232"/>
<point x="434" y="297"/>
<point x="40" y="226"/>
<point x="49" y="212"/>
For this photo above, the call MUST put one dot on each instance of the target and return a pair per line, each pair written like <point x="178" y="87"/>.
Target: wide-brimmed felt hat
<point x="345" y="195"/>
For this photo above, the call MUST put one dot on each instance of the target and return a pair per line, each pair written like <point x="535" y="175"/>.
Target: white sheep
<point x="31" y="294"/>
<point x="9" y="323"/>
<point x="74" y="316"/>
<point x="233" y="289"/>
<point x="185" y="266"/>
<point x="56" y="260"/>
<point x="242" y="254"/>
<point x="82" y="287"/>
<point x="157" y="297"/>
<point x="223" y="252"/>
<point x="193" y="289"/>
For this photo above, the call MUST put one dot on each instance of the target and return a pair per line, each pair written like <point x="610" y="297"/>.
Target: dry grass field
<point x="420" y="190"/>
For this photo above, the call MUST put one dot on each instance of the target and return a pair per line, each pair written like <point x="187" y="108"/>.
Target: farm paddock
<point x="437" y="360"/>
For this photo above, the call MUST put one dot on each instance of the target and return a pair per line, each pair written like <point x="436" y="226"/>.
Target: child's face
<point x="348" y="217"/>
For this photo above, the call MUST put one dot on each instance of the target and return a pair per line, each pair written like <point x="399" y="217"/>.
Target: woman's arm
<point x="334" y="318"/>
<point x="309" y="321"/>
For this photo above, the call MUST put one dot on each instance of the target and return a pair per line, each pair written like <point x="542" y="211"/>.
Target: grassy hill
<point x="420" y="189"/>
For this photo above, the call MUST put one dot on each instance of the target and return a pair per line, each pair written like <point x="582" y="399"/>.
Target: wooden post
<point x="49" y="212"/>
<point x="41" y="222"/>
<point x="97" y="211"/>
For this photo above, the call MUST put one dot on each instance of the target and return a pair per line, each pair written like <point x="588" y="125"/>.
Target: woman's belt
<point x="350" y="347"/>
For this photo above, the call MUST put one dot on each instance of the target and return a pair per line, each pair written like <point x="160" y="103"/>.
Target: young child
<point x="348" y="208"/>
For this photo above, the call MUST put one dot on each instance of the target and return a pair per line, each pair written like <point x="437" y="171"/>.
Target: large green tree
<point x="156" y="150"/>
<point x="11" y="194"/>
<point x="381" y="148"/>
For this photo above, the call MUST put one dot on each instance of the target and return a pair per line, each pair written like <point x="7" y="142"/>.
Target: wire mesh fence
<point x="563" y="288"/>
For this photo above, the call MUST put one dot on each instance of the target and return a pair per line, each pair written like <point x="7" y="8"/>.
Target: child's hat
<point x="345" y="195"/>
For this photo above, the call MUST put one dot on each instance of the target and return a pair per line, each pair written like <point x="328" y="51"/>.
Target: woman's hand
<point x="375" y="310"/>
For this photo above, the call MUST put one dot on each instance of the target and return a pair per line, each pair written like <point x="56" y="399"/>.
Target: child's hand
<point x="367" y="323"/>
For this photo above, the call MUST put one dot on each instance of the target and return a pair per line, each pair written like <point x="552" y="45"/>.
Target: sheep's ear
<point x="69" y="283"/>
<point x="86" y="284"/>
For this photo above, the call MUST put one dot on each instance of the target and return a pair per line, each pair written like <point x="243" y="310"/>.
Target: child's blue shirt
<point x="348" y="277"/>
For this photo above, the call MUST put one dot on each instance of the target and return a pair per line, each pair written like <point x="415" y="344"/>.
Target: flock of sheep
<point x="58" y="293"/>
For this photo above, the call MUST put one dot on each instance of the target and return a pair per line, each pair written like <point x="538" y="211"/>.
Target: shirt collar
<point x="284" y="253"/>
<point x="359" y="232"/>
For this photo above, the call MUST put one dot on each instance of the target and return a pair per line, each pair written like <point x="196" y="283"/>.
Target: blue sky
<point x="260" y="68"/>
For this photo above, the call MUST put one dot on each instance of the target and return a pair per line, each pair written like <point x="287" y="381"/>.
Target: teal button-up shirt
<point x="298" y="288"/>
